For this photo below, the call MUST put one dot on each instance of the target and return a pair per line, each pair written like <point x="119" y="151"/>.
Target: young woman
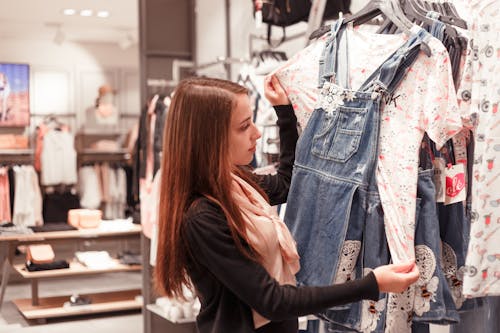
<point x="217" y="230"/>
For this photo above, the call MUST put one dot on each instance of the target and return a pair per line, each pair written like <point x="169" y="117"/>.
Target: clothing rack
<point x="225" y="61"/>
<point x="96" y="156"/>
<point x="16" y="156"/>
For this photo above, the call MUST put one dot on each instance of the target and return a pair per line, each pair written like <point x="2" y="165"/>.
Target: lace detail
<point x="453" y="274"/>
<point x="400" y="311"/>
<point x="427" y="284"/>
<point x="331" y="96"/>
<point x="347" y="261"/>
<point x="371" y="311"/>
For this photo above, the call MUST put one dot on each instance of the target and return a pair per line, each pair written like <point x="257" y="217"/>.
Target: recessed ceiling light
<point x="69" y="11"/>
<point x="86" y="12"/>
<point x="103" y="13"/>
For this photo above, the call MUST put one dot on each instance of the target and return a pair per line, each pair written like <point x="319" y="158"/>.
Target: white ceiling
<point x="40" y="19"/>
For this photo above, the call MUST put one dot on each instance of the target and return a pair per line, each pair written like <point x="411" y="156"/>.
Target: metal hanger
<point x="392" y="11"/>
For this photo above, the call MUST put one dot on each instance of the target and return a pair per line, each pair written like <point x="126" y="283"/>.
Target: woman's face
<point x="243" y="133"/>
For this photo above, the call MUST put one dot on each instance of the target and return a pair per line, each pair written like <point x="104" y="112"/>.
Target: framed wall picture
<point x="14" y="95"/>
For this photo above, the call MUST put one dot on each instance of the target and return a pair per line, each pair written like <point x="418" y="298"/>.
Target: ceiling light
<point x="69" y="11"/>
<point x="103" y="13"/>
<point x="86" y="12"/>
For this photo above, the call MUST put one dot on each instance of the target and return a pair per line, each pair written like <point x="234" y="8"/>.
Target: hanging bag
<point x="283" y="13"/>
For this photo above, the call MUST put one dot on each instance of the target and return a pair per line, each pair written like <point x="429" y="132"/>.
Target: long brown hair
<point x="195" y="162"/>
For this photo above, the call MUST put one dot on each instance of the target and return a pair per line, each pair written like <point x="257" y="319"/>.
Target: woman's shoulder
<point x="204" y="212"/>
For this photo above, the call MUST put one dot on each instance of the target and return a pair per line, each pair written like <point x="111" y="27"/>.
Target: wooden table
<point x="38" y="308"/>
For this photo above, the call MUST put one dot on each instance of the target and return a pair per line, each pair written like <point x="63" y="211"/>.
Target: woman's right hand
<point x="274" y="92"/>
<point x="396" y="278"/>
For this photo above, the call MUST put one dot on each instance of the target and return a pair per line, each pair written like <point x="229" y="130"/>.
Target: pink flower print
<point x="490" y="163"/>
<point x="487" y="219"/>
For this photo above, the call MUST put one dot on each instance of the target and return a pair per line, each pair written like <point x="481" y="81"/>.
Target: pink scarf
<point x="268" y="235"/>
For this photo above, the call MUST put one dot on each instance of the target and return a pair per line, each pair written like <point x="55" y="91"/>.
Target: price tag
<point x="258" y="19"/>
<point x="455" y="184"/>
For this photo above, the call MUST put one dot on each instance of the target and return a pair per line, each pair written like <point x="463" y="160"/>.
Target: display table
<point x="50" y="307"/>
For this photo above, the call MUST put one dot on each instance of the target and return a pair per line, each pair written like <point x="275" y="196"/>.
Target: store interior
<point x="87" y="74"/>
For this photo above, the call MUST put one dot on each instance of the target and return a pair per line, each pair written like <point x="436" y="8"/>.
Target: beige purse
<point x="84" y="218"/>
<point x="40" y="254"/>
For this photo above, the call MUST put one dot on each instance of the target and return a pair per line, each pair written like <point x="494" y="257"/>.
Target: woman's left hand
<point x="274" y="92"/>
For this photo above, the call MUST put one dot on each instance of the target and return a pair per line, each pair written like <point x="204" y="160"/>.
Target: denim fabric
<point x="454" y="230"/>
<point x="333" y="200"/>
<point x="433" y="298"/>
<point x="364" y="315"/>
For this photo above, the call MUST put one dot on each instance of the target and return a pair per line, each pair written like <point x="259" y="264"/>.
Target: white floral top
<point x="482" y="97"/>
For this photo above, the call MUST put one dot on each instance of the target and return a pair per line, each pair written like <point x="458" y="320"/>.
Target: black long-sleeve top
<point x="229" y="285"/>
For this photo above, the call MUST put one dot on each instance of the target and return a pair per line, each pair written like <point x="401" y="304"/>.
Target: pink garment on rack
<point x="148" y="189"/>
<point x="5" y="214"/>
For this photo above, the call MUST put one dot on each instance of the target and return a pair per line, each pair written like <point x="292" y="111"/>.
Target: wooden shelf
<point x="158" y="310"/>
<point x="101" y="232"/>
<point x="51" y="307"/>
<point x="75" y="268"/>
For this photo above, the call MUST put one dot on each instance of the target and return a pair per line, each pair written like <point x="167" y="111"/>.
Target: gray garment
<point x="482" y="319"/>
<point x="96" y="123"/>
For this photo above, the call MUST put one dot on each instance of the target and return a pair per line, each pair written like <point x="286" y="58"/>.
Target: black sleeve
<point x="209" y="238"/>
<point x="276" y="186"/>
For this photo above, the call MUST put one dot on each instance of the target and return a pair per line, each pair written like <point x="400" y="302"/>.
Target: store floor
<point x="12" y="321"/>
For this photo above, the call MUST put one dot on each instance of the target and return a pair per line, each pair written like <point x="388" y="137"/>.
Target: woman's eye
<point x="244" y="127"/>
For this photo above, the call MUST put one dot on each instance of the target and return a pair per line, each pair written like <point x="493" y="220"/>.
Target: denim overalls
<point x="333" y="208"/>
<point x="433" y="297"/>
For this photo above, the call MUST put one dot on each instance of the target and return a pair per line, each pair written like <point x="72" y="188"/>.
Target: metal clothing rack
<point x="225" y="61"/>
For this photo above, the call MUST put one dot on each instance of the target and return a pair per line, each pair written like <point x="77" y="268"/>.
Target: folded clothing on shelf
<point x="56" y="226"/>
<point x="95" y="259"/>
<point x="56" y="264"/>
<point x="13" y="141"/>
<point x="129" y="258"/>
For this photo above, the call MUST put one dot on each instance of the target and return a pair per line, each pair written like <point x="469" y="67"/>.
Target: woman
<point x="218" y="232"/>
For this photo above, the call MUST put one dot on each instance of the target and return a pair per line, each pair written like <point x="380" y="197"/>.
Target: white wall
<point x="211" y="34"/>
<point x="65" y="78"/>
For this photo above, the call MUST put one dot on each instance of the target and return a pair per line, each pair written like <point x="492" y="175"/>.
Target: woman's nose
<point x="257" y="133"/>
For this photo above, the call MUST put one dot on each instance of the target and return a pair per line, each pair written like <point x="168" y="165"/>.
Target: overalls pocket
<point x="339" y="138"/>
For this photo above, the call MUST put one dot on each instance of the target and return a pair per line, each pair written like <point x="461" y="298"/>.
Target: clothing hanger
<point x="450" y="8"/>
<point x="392" y="11"/>
<point x="414" y="11"/>
<point x="446" y="16"/>
<point x="52" y="122"/>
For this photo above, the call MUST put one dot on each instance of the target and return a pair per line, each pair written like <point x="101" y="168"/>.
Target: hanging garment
<point x="336" y="160"/>
<point x="56" y="206"/>
<point x="5" y="213"/>
<point x="27" y="197"/>
<point x="89" y="188"/>
<point x="424" y="102"/>
<point x="58" y="159"/>
<point x="482" y="275"/>
<point x="299" y="78"/>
